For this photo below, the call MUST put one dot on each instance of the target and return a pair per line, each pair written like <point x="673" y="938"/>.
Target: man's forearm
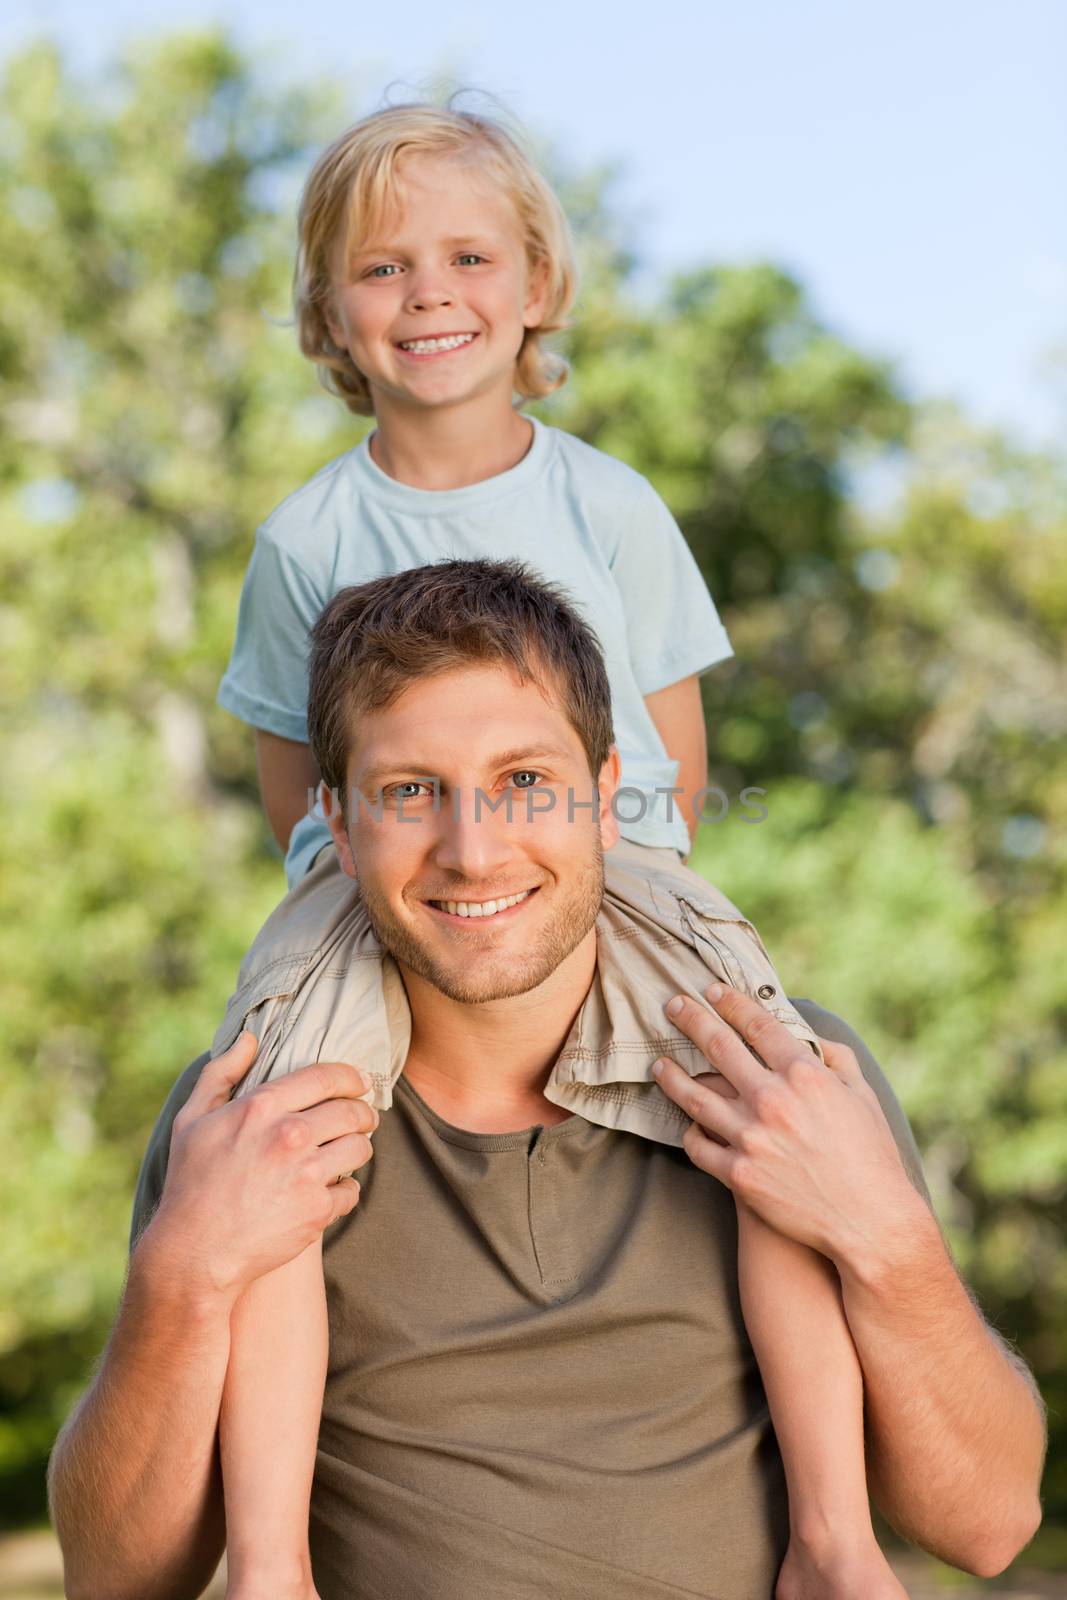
<point x="955" y="1429"/>
<point x="134" y="1483"/>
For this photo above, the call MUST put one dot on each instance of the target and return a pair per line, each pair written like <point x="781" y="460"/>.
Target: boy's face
<point x="450" y="264"/>
<point x="452" y="760"/>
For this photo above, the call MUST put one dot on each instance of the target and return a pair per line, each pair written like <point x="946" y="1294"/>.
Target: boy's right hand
<point x="252" y="1182"/>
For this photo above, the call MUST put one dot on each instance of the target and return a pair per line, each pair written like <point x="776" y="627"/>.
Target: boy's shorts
<point x="316" y="985"/>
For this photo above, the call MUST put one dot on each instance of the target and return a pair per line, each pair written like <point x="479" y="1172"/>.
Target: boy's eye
<point x="525" y="779"/>
<point x="469" y="256"/>
<point x="387" y="268"/>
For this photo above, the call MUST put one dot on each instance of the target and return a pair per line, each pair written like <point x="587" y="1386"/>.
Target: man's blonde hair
<point x="356" y="183"/>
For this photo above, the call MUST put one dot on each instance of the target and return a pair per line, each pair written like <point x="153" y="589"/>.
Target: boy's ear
<point x="533" y="313"/>
<point x="330" y="317"/>
<point x="333" y="327"/>
<point x="607" y="785"/>
<point x="331" y="805"/>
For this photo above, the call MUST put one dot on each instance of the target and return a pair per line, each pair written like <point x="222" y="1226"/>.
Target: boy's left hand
<point x="806" y="1146"/>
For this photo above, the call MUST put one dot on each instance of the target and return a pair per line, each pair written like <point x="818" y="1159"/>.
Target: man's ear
<point x="335" y="817"/>
<point x="607" y="784"/>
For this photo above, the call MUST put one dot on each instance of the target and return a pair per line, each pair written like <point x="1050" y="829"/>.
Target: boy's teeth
<point x="427" y="346"/>
<point x="481" y="908"/>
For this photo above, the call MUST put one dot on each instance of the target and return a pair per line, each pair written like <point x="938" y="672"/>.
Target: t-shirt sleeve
<point x="265" y="683"/>
<point x="154" y="1166"/>
<point x="673" y="627"/>
<point x="829" y="1026"/>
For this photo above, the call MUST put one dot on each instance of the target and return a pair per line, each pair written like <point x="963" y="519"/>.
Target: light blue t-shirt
<point x="577" y="517"/>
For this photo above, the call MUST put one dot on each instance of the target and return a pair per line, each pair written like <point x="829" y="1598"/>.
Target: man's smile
<point x="496" y="910"/>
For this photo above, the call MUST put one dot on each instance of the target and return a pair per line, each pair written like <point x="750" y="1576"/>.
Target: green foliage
<point x="899" y="690"/>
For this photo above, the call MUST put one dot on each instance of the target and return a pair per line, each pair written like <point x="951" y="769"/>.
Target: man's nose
<point x="473" y="841"/>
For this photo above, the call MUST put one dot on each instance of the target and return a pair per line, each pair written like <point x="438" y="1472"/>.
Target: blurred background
<point x="824" y="309"/>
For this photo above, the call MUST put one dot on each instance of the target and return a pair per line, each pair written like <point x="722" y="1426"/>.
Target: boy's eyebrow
<point x="470" y="238"/>
<point x="412" y="771"/>
<point x="452" y="243"/>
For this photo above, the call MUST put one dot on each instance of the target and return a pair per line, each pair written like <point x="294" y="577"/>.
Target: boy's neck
<point x="452" y="447"/>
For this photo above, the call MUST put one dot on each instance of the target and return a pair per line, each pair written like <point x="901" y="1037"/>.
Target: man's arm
<point x="917" y="1288"/>
<point x="134" y="1483"/>
<point x="955" y="1426"/>
<point x="956" y="1430"/>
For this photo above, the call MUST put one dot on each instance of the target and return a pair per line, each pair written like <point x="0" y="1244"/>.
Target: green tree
<point x="154" y="411"/>
<point x="899" y="688"/>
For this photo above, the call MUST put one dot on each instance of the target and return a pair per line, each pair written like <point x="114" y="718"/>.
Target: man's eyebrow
<point x="527" y="752"/>
<point x="412" y="771"/>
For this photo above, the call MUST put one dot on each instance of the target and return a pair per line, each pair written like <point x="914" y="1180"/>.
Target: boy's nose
<point x="428" y="297"/>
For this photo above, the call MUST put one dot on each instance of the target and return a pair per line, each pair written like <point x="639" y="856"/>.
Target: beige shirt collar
<point x="318" y="986"/>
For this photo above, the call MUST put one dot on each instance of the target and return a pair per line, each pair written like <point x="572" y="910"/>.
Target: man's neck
<point x="453" y="446"/>
<point x="484" y="1067"/>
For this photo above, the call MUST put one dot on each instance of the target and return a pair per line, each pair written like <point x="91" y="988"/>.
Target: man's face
<point x="479" y="886"/>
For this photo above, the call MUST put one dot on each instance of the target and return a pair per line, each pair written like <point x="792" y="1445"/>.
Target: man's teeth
<point x="422" y="347"/>
<point x="484" y="908"/>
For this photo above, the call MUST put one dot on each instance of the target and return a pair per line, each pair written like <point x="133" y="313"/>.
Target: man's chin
<point x="474" y="989"/>
<point x="471" y="978"/>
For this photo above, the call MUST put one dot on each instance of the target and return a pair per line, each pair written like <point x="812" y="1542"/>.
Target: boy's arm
<point x="678" y="713"/>
<point x="287" y="770"/>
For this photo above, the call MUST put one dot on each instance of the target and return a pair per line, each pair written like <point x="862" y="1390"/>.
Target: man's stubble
<point x="568" y="926"/>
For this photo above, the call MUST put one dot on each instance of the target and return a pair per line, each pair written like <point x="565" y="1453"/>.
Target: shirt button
<point x="766" y="991"/>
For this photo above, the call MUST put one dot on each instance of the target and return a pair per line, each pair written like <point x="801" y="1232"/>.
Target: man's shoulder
<point x="828" y="1025"/>
<point x="154" y="1164"/>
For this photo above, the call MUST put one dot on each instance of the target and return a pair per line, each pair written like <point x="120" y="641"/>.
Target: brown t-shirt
<point x="539" y="1378"/>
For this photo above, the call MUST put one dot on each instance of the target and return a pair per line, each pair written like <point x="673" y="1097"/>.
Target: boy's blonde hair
<point x="355" y="184"/>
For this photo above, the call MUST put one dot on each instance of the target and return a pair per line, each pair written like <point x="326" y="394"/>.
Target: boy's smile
<point x="434" y="311"/>
<point x="428" y="346"/>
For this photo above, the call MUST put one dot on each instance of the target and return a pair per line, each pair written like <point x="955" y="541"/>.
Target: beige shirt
<point x="317" y="986"/>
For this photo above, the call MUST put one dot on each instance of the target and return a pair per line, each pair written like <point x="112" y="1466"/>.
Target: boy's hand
<point x="252" y="1182"/>
<point x="807" y="1146"/>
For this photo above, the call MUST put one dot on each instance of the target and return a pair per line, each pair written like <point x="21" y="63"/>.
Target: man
<point x="539" y="1378"/>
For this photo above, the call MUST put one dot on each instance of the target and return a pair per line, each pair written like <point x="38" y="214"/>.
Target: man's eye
<point x="525" y="779"/>
<point x="405" y="791"/>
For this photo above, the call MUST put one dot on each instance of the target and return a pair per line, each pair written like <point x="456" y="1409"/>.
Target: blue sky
<point x="906" y="160"/>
